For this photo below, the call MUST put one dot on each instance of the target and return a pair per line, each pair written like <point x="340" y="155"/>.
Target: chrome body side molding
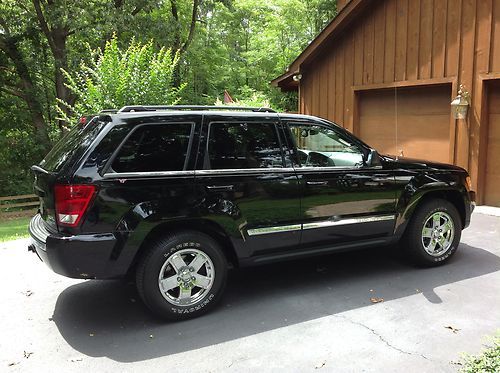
<point x="319" y="224"/>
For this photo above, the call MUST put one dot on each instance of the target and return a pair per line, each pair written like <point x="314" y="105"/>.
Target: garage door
<point x="414" y="121"/>
<point x="492" y="187"/>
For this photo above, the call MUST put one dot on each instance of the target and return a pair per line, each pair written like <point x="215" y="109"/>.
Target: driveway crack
<point x="385" y="341"/>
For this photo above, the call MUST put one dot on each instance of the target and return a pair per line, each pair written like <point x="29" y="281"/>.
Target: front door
<point x="343" y="200"/>
<point x="245" y="186"/>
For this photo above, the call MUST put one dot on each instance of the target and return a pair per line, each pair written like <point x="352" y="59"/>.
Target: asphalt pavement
<point x="362" y="311"/>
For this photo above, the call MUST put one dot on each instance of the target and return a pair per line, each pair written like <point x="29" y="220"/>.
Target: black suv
<point x="173" y="195"/>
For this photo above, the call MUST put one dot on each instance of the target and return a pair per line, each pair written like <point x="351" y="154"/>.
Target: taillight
<point x="72" y="202"/>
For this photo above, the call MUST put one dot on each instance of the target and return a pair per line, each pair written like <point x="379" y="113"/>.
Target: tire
<point x="172" y="284"/>
<point x="439" y="241"/>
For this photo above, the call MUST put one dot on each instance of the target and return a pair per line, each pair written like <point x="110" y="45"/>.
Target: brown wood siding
<point x="406" y="43"/>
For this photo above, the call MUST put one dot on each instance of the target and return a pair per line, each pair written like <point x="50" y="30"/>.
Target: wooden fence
<point x="18" y="206"/>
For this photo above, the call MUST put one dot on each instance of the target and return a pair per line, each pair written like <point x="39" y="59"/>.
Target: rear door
<point x="343" y="200"/>
<point x="245" y="186"/>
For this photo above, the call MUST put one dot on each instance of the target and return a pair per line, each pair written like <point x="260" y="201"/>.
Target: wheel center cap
<point x="185" y="275"/>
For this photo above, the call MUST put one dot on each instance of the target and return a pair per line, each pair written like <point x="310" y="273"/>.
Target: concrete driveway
<point x="313" y="315"/>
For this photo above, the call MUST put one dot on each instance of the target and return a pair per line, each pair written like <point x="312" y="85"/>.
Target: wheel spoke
<point x="427" y="232"/>
<point x="177" y="262"/>
<point x="185" y="293"/>
<point x="197" y="262"/>
<point x="436" y="220"/>
<point x="201" y="281"/>
<point x="432" y="245"/>
<point x="169" y="283"/>
<point x="447" y="227"/>
<point x="442" y="241"/>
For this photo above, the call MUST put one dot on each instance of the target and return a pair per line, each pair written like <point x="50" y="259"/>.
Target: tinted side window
<point x="243" y="145"/>
<point x="155" y="148"/>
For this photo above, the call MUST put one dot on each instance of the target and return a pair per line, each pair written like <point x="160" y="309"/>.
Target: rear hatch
<point x="59" y="164"/>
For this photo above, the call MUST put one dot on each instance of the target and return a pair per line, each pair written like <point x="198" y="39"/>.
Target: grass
<point x="14" y="229"/>
<point x="487" y="361"/>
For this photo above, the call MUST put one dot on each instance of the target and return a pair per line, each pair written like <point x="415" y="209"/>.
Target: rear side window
<point x="243" y="145"/>
<point x="72" y="145"/>
<point x="155" y="147"/>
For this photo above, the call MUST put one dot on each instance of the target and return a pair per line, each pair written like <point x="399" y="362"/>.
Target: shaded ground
<point x="297" y="316"/>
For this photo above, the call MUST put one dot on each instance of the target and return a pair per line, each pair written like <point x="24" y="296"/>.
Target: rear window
<point x="72" y="145"/>
<point x="155" y="147"/>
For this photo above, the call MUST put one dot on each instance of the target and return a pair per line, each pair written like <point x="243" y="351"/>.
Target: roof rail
<point x="128" y="109"/>
<point x="108" y="111"/>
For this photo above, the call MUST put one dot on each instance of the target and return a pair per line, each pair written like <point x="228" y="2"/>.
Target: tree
<point x="114" y="78"/>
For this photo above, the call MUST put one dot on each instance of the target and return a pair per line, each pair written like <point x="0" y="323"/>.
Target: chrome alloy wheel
<point x="186" y="277"/>
<point x="438" y="233"/>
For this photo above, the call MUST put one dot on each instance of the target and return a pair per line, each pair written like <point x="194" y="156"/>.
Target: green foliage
<point x="247" y="43"/>
<point x="18" y="148"/>
<point x="249" y="97"/>
<point x="114" y="78"/>
<point x="237" y="45"/>
<point x="486" y="362"/>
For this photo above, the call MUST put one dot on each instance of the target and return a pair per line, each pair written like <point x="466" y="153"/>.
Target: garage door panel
<point x="494" y="132"/>
<point x="422" y="116"/>
<point x="492" y="179"/>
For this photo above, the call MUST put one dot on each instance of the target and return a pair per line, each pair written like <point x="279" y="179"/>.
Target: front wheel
<point x="433" y="233"/>
<point x="182" y="276"/>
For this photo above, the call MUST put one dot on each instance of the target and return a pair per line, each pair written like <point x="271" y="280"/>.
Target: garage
<point x="413" y="122"/>
<point x="492" y="182"/>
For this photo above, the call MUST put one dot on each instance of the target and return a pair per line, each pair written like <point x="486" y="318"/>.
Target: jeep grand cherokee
<point x="173" y="194"/>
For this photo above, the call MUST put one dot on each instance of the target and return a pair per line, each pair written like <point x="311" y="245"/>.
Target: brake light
<point x="72" y="202"/>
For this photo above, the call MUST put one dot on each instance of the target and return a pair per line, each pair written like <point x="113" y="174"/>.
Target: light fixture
<point x="297" y="77"/>
<point x="460" y="105"/>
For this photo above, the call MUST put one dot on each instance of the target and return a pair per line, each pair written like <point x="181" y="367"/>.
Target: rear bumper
<point x="79" y="256"/>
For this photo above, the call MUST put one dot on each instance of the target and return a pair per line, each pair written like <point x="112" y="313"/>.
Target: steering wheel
<point x="316" y="159"/>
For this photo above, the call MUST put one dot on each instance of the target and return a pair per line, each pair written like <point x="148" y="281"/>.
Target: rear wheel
<point x="182" y="276"/>
<point x="434" y="232"/>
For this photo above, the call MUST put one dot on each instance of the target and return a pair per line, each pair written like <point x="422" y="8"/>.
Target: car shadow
<point x="107" y="318"/>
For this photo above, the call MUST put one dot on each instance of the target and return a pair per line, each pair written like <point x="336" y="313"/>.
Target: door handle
<point x="220" y="188"/>
<point x="317" y="183"/>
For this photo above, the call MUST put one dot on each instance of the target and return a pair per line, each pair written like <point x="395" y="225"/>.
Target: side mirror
<point x="373" y="158"/>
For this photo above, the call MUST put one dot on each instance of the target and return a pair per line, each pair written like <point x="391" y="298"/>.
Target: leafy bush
<point x="138" y="75"/>
<point x="487" y="361"/>
<point x="248" y="97"/>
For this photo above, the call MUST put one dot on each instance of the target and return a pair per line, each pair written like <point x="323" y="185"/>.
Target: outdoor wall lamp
<point x="460" y="105"/>
<point x="297" y="77"/>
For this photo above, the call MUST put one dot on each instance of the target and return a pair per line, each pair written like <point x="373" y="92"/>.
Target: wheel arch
<point x="454" y="196"/>
<point x="205" y="226"/>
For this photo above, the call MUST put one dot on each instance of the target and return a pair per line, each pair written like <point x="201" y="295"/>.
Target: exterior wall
<point x="398" y="43"/>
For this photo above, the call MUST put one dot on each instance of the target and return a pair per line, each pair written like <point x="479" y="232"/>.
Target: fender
<point x="420" y="186"/>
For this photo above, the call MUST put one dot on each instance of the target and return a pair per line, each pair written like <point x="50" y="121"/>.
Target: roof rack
<point x="129" y="109"/>
<point x="108" y="111"/>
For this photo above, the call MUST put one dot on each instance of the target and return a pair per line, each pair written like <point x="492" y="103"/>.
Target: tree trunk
<point x="28" y="92"/>
<point x="59" y="37"/>
<point x="181" y="49"/>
